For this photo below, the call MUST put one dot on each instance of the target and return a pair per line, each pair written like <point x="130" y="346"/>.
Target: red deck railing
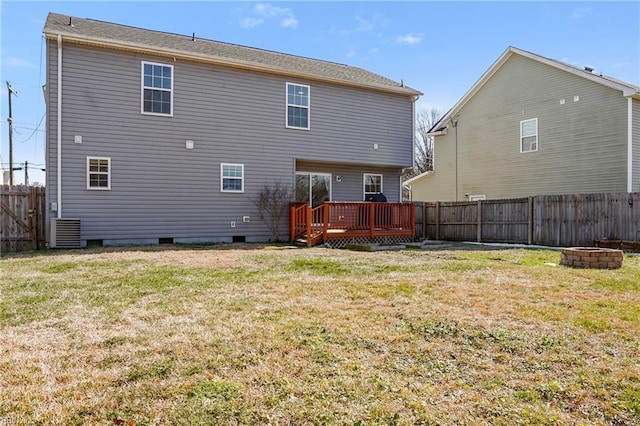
<point x="348" y="219"/>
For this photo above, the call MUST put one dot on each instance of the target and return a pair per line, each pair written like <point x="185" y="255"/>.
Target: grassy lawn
<point x="268" y="335"/>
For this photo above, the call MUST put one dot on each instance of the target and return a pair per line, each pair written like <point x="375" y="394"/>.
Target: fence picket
<point x="22" y="218"/>
<point x="551" y="220"/>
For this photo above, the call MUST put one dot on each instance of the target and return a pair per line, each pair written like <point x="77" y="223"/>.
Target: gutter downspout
<point x="59" y="130"/>
<point x="629" y="144"/>
<point x="455" y="125"/>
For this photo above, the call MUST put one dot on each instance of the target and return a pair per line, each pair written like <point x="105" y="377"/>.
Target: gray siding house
<point x="533" y="126"/>
<point x="156" y="137"/>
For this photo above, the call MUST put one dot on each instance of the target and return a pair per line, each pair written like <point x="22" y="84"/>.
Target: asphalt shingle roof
<point x="106" y="32"/>
<point x="599" y="75"/>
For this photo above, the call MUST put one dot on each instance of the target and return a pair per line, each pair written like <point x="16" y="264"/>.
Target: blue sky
<point x="439" y="48"/>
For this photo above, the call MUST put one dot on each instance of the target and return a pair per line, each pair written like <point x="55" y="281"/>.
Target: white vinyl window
<point x="99" y="173"/>
<point x="529" y="135"/>
<point x="372" y="184"/>
<point x="231" y="177"/>
<point x="298" y="106"/>
<point x="157" y="89"/>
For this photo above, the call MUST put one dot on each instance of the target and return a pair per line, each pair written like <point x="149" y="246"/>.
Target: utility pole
<point x="26" y="173"/>
<point x="10" y="120"/>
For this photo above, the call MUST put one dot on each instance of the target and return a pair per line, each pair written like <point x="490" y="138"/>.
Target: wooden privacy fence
<point x="550" y="220"/>
<point x="22" y="218"/>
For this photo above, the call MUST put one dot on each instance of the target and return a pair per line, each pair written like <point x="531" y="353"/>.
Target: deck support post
<point x="372" y="222"/>
<point x="325" y="228"/>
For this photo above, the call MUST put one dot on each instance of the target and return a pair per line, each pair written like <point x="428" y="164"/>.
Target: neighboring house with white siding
<point x="4" y="174"/>
<point x="156" y="137"/>
<point x="532" y="125"/>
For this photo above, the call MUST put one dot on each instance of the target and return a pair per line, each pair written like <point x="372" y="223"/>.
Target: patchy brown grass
<point x="267" y="335"/>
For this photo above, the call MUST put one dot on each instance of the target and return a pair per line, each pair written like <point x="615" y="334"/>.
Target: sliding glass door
<point x="313" y="187"/>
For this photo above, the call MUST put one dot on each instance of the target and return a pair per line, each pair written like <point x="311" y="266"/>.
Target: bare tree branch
<point x="273" y="204"/>
<point x="423" y="155"/>
<point x="423" y="160"/>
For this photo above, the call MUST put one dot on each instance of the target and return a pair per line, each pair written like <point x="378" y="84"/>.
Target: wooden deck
<point x="342" y="220"/>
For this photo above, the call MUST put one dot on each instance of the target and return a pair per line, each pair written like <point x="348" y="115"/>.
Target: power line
<point x="27" y="128"/>
<point x="40" y="67"/>
<point x="34" y="130"/>
<point x="30" y="165"/>
<point x="42" y="43"/>
<point x="22" y="123"/>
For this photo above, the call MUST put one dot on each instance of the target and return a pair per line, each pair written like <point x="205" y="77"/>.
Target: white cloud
<point x="262" y="12"/>
<point x="369" y="24"/>
<point x="265" y="9"/>
<point x="580" y="12"/>
<point x="290" y="22"/>
<point x="250" y="22"/>
<point x="363" y="24"/>
<point x="18" y="63"/>
<point x="409" y="39"/>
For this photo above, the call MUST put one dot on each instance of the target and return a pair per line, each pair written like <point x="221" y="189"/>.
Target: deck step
<point x="302" y="241"/>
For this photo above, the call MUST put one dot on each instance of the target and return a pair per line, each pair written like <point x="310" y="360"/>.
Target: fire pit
<point x="591" y="257"/>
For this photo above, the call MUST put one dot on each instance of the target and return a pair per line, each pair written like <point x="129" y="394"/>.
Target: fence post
<point x="575" y="240"/>
<point x="530" y="222"/>
<point x="33" y="218"/>
<point x="412" y="217"/>
<point x="437" y="220"/>
<point x="424" y="220"/>
<point x="479" y="221"/>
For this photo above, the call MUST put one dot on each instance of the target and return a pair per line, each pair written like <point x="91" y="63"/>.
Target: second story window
<point x="529" y="135"/>
<point x="157" y="89"/>
<point x="298" y="106"/>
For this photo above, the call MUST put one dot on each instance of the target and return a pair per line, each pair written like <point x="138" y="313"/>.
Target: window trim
<point x="142" y="87"/>
<point x="222" y="178"/>
<point x="364" y="184"/>
<point x="89" y="173"/>
<point x="287" y="105"/>
<point x="537" y="141"/>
